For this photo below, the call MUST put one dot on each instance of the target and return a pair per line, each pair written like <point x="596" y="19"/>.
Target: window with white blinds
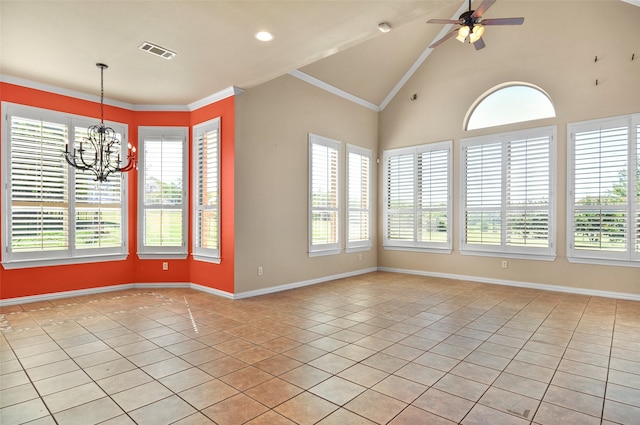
<point x="206" y="187"/>
<point x="604" y="190"/>
<point x="51" y="213"/>
<point x="507" y="197"/>
<point x="162" y="206"/>
<point x="417" y="197"/>
<point x="358" y="198"/>
<point x="324" y="208"/>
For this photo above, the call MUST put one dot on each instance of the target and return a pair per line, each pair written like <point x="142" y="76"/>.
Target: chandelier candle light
<point x="102" y="155"/>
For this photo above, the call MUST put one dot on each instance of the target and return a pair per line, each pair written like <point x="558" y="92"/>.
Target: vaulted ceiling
<point x="58" y="43"/>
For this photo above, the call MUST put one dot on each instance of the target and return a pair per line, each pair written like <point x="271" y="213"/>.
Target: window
<point x="53" y="214"/>
<point x="507" y="104"/>
<point x="206" y="186"/>
<point x="604" y="190"/>
<point x="358" y="198"/>
<point x="162" y="211"/>
<point x="324" y="208"/>
<point x="507" y="197"/>
<point x="417" y="211"/>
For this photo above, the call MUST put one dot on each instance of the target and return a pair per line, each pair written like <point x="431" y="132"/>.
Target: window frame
<point x="503" y="249"/>
<point x="199" y="253"/>
<point x="145" y="134"/>
<point x="359" y="245"/>
<point x="72" y="254"/>
<point x="328" y="248"/>
<point x="519" y="102"/>
<point x="414" y="244"/>
<point x="628" y="257"/>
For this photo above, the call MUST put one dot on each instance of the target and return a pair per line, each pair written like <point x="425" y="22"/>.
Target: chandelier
<point x="99" y="151"/>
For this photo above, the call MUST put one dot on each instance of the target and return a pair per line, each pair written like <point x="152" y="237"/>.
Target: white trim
<point x="425" y="54"/>
<point x="215" y="97"/>
<point x="519" y="284"/>
<point x="634" y="2"/>
<point x="212" y="291"/>
<point x="301" y="284"/>
<point x="185" y="285"/>
<point x="333" y="90"/>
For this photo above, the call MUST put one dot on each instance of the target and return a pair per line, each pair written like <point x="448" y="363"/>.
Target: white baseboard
<point x="519" y="284"/>
<point x="294" y="285"/>
<point x="301" y="284"/>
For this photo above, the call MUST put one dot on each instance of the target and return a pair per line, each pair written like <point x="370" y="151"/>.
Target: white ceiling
<point x="58" y="43"/>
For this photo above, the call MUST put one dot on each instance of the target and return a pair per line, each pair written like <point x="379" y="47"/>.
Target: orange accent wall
<point x="46" y="280"/>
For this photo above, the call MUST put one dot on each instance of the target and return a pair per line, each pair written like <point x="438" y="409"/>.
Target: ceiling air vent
<point x="157" y="50"/>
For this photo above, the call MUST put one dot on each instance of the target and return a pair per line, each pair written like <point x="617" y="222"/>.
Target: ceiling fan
<point x="472" y="25"/>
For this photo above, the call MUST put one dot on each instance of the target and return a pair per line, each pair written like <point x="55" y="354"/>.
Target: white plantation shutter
<point x="39" y="188"/>
<point x="507" y="193"/>
<point x="358" y="198"/>
<point x="206" y="183"/>
<point x="324" y="165"/>
<point x="417" y="193"/>
<point x="528" y="192"/>
<point x="162" y="180"/>
<point x="400" y="204"/>
<point x="98" y="208"/>
<point x="603" y="189"/>
<point x="483" y="194"/>
<point x="433" y="196"/>
<point x="636" y="164"/>
<point x="55" y="214"/>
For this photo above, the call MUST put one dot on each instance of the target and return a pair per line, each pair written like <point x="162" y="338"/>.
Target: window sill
<point x="162" y="256"/>
<point x="604" y="262"/>
<point x="205" y="259"/>
<point x="26" y="264"/>
<point x="538" y="257"/>
<point x="323" y="253"/>
<point x="434" y="250"/>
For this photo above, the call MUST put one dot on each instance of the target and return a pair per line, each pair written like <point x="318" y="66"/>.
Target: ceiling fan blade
<point x="482" y="8"/>
<point x="443" y="39"/>
<point x="479" y="44"/>
<point x="442" y="21"/>
<point x="503" y="21"/>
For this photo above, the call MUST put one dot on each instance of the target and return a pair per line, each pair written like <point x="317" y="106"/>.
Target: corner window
<point x="417" y="203"/>
<point x="52" y="213"/>
<point x="604" y="191"/>
<point x="507" y="104"/>
<point x="206" y="187"/>
<point x="324" y="208"/>
<point x="162" y="206"/>
<point x="507" y="194"/>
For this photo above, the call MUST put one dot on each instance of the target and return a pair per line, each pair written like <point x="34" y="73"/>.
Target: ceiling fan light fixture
<point x="463" y="32"/>
<point x="476" y="34"/>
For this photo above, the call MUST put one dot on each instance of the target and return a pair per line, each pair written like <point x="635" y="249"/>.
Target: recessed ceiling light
<point x="264" y="36"/>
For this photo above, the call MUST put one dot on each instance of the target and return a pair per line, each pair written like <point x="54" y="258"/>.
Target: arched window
<point x="509" y="103"/>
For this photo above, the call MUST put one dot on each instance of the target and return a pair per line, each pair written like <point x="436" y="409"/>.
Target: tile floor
<point x="380" y="348"/>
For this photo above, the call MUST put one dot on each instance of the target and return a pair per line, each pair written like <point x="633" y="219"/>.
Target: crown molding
<point x="215" y="97"/>
<point x="333" y="89"/>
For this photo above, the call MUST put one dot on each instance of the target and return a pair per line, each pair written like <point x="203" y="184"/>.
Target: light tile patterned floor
<point x="380" y="348"/>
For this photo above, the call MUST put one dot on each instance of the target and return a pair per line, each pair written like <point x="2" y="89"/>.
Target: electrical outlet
<point x="165" y="265"/>
<point x="259" y="270"/>
<point x="360" y="257"/>
<point x="505" y="264"/>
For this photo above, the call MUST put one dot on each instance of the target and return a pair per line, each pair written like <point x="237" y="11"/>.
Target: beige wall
<point x="272" y="125"/>
<point x="561" y="63"/>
